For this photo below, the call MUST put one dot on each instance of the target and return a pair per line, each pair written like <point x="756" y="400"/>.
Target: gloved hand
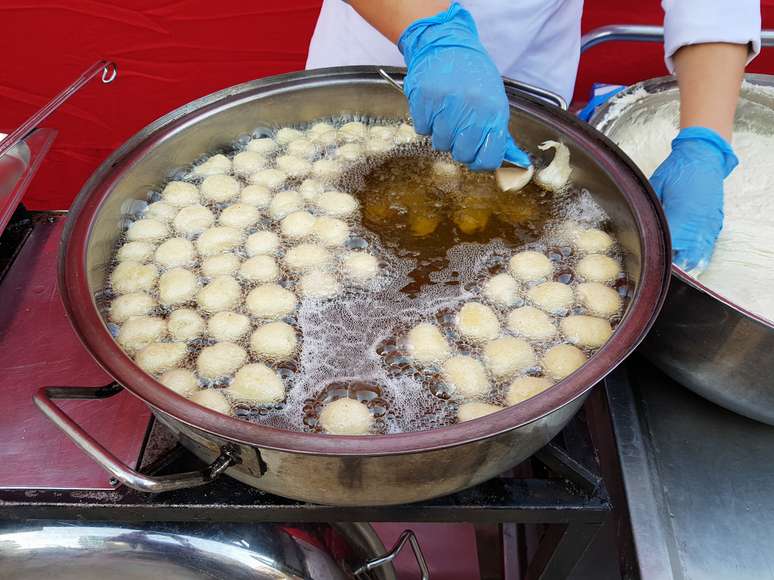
<point x="456" y="93"/>
<point x="689" y="184"/>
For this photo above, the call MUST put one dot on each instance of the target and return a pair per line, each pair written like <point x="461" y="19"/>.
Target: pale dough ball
<point x="553" y="297"/>
<point x="382" y="132"/>
<point x="330" y="232"/>
<point x="360" y="267"/>
<point x="531" y="323"/>
<point x="326" y="169"/>
<point x="350" y="152"/>
<point x="529" y="265"/>
<point x="276" y="341"/>
<point x="466" y="376"/>
<point x="256" y="195"/>
<point x="593" y="241"/>
<point x="160" y="356"/>
<point x="217" y="240"/>
<point x="270" y="301"/>
<point x="346" y="417"/>
<point x="262" y="243"/>
<point x="259" y="269"/>
<point x="512" y="178"/>
<point x="271" y="178"/>
<point x="222" y="293"/>
<point x="318" y="285"/>
<point x="177" y="286"/>
<point x="556" y="175"/>
<point x="220" y="360"/>
<point x="285" y="203"/>
<point x="297" y="225"/>
<point x="302" y="148"/>
<point x="304" y="257"/>
<point x="131" y="276"/>
<point x="135" y="251"/>
<point x="405" y="134"/>
<point x="147" y="230"/>
<point x="502" y="290"/>
<point x="562" y="360"/>
<point x="426" y="345"/>
<point x="193" y="220"/>
<point x="586" y="331"/>
<point x="310" y="189"/>
<point x="220" y="265"/>
<point x="320" y="128"/>
<point x="524" y="388"/>
<point x="248" y="162"/>
<point x="287" y="135"/>
<point x="228" y="326"/>
<point x="293" y="166"/>
<point x="257" y="384"/>
<point x="599" y="299"/>
<point x="598" y="268"/>
<point x="185" y="324"/>
<point x="239" y="216"/>
<point x="128" y="305"/>
<point x="161" y="211"/>
<point x="477" y="322"/>
<point x="352" y="131"/>
<point x="263" y="146"/>
<point x="337" y="203"/>
<point x="181" y="381"/>
<point x="445" y="169"/>
<point x="507" y="355"/>
<point x="180" y="193"/>
<point x="140" y="331"/>
<point x="213" y="400"/>
<point x="476" y="410"/>
<point x="215" y="165"/>
<point x="219" y="188"/>
<point x="175" y="252"/>
<point x="375" y="145"/>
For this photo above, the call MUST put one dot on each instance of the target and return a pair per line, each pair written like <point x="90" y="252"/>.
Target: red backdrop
<point x="172" y="51"/>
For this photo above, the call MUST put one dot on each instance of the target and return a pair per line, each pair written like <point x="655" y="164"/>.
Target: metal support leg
<point x="560" y="549"/>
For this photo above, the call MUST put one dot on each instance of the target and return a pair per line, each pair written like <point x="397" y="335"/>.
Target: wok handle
<point x="406" y="536"/>
<point x="641" y="33"/>
<point x="44" y="399"/>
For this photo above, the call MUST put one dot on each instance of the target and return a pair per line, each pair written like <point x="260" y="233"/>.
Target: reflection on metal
<point x="68" y="551"/>
<point x="406" y="536"/>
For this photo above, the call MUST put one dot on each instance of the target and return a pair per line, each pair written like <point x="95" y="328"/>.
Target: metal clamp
<point x="406" y="536"/>
<point x="44" y="399"/>
<point x="109" y="72"/>
<point x="640" y="33"/>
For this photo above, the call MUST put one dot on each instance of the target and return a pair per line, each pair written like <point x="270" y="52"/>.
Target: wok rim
<point x="92" y="331"/>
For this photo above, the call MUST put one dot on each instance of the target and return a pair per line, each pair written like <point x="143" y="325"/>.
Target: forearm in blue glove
<point x="689" y="184"/>
<point x="455" y="92"/>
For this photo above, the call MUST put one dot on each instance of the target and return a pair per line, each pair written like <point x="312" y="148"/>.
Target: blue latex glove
<point x="689" y="184"/>
<point x="456" y="93"/>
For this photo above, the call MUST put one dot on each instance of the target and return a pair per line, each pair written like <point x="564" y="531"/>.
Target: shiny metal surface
<point x="363" y="470"/>
<point x="407" y="537"/>
<point x="69" y="551"/>
<point x="701" y="339"/>
<point x="698" y="480"/>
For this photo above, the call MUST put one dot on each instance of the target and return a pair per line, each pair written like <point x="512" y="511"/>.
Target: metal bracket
<point x="406" y="536"/>
<point x="44" y="399"/>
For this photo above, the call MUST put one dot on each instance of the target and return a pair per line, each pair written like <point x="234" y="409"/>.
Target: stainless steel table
<point x="698" y="479"/>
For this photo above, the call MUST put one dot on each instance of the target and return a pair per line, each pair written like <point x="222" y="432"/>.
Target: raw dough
<point x="405" y="134"/>
<point x="294" y="166"/>
<point x="507" y="355"/>
<point x="346" y="417"/>
<point x="593" y="241"/>
<point x="562" y="360"/>
<point x="531" y="323"/>
<point x="477" y="322"/>
<point x="220" y="188"/>
<point x="288" y="135"/>
<point x="587" y="331"/>
<point x="302" y="148"/>
<point x="185" y="324"/>
<point x="502" y="290"/>
<point x="352" y="131"/>
<point x="426" y="345"/>
<point x="262" y="146"/>
<point x="258" y="384"/>
<point x="158" y="357"/>
<point x="466" y="377"/>
<point x="510" y="178"/>
<point x="222" y="293"/>
<point x="529" y="265"/>
<point x="275" y="341"/>
<point x="350" y="152"/>
<point x="177" y="286"/>
<point x="270" y="301"/>
<point x="220" y="360"/>
<point x="310" y="189"/>
<point x="326" y="169"/>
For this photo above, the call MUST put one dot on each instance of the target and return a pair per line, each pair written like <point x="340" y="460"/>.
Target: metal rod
<point x="109" y="71"/>
<point x="406" y="536"/>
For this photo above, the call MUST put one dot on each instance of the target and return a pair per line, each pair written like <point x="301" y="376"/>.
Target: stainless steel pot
<point x="365" y="470"/>
<point x="701" y="339"/>
<point x="192" y="551"/>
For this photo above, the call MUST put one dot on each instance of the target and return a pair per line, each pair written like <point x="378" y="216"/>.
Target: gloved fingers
<point x="692" y="255"/>
<point x="516" y="155"/>
<point x="491" y="152"/>
<point x="466" y="144"/>
<point x="421" y="110"/>
<point x="447" y="122"/>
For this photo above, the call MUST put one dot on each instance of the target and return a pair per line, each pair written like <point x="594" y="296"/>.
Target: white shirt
<point x="534" y="41"/>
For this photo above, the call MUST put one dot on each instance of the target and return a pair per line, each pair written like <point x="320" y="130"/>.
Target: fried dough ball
<point x="239" y="216"/>
<point x="270" y="301"/>
<point x="158" y="357"/>
<point x="259" y="269"/>
<point x="180" y="193"/>
<point x="212" y="399"/>
<point x="598" y="268"/>
<point x="140" y="331"/>
<point x="248" y="162"/>
<point x="337" y="203"/>
<point x="305" y="257"/>
<point x="477" y="322"/>
<point x="465" y="376"/>
<point x="177" y="286"/>
<point x="298" y="225"/>
<point x="185" y="324"/>
<point x="263" y="146"/>
<point x="258" y="384"/>
<point x="562" y="360"/>
<point x="587" y="331"/>
<point x="285" y="203"/>
<point x="130" y="276"/>
<point x="270" y="178"/>
<point x="502" y="290"/>
<point x="426" y="344"/>
<point x="228" y="326"/>
<point x="218" y="240"/>
<point x="161" y="211"/>
<point x="505" y="356"/>
<point x="263" y="243"/>
<point x="255" y="195"/>
<point x="147" y="230"/>
<point x="220" y="188"/>
<point x="346" y="417"/>
<point x="181" y="381"/>
<point x="531" y="323"/>
<point x="275" y="341"/>
<point x="222" y="293"/>
<point x="523" y="388"/>
<point x="126" y="306"/>
<point x="360" y="267"/>
<point x="593" y="241"/>
<point x="215" y="165"/>
<point x="475" y="410"/>
<point x="135" y="252"/>
<point x="553" y="297"/>
<point x="599" y="299"/>
<point x="193" y="220"/>
<point x="319" y="285"/>
<point x="175" y="252"/>
<point x="529" y="265"/>
<point x="220" y="265"/>
<point x="220" y="360"/>
<point x="330" y="231"/>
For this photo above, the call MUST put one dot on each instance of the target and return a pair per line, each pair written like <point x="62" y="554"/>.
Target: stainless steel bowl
<point x="701" y="339"/>
<point x="364" y="470"/>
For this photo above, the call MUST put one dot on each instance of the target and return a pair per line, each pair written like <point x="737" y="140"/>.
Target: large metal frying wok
<point x="364" y="470"/>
